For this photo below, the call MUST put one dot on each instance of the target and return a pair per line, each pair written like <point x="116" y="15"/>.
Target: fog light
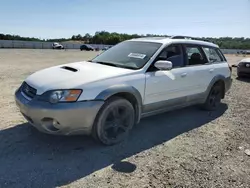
<point x="51" y="124"/>
<point x="56" y="124"/>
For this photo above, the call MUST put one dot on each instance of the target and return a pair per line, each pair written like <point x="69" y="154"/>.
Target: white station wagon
<point x="107" y="96"/>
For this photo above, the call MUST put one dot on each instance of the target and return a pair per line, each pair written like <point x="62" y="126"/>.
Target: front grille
<point x="28" y="90"/>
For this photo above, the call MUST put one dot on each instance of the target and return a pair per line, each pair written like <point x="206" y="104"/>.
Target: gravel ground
<point x="184" y="148"/>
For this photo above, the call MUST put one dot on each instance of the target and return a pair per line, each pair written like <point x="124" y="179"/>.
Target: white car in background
<point x="57" y="45"/>
<point x="107" y="96"/>
<point x="243" y="68"/>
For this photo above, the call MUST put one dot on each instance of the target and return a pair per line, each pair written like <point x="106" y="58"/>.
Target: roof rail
<point x="187" y="37"/>
<point x="181" y="37"/>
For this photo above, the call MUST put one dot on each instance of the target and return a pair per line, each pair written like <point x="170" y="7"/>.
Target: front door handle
<point x="183" y="74"/>
<point x="211" y="70"/>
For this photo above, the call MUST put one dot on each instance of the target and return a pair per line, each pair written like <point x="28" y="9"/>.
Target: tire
<point x="214" y="98"/>
<point x="114" y="121"/>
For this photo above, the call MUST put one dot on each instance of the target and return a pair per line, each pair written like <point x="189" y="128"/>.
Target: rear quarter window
<point x="212" y="54"/>
<point x="221" y="54"/>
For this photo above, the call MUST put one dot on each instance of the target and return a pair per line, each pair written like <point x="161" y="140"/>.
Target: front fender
<point x="118" y="89"/>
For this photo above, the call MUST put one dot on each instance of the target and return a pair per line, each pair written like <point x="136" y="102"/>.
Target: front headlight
<point x="70" y="95"/>
<point x="240" y="64"/>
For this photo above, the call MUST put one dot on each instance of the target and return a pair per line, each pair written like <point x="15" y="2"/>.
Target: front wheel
<point x="114" y="121"/>
<point x="214" y="98"/>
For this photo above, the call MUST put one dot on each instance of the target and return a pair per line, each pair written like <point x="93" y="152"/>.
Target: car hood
<point x="72" y="75"/>
<point x="246" y="60"/>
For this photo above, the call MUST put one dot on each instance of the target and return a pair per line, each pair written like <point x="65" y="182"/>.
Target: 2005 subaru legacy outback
<point x="106" y="96"/>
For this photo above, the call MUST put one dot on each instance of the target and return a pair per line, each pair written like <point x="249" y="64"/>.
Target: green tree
<point x="104" y="37"/>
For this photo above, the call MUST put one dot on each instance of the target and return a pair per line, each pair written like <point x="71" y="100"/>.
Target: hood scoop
<point x="69" y="68"/>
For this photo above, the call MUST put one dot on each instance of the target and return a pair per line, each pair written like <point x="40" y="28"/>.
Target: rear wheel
<point x="214" y="98"/>
<point x="114" y="121"/>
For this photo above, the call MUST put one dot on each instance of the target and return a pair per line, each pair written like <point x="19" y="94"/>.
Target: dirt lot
<point x="185" y="148"/>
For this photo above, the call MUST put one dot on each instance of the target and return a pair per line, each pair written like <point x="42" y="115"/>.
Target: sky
<point x="63" y="18"/>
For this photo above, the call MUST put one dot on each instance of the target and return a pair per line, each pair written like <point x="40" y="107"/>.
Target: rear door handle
<point x="183" y="74"/>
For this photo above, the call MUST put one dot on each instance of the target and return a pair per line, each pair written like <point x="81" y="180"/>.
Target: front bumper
<point x="72" y="118"/>
<point x="244" y="71"/>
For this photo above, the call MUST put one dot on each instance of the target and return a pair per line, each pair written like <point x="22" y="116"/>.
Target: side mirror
<point x="163" y="65"/>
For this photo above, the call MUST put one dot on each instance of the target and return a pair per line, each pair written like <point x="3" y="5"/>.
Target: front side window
<point x="128" y="54"/>
<point x="212" y="55"/>
<point x="174" y="54"/>
<point x="194" y="55"/>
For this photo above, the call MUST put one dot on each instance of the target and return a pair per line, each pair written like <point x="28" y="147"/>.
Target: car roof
<point x="169" y="40"/>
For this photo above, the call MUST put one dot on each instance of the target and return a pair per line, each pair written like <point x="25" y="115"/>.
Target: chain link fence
<point x="42" y="45"/>
<point x="67" y="45"/>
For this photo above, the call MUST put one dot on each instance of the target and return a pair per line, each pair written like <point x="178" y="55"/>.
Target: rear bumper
<point x="72" y="118"/>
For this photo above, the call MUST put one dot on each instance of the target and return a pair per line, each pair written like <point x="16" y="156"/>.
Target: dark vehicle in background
<point x="106" y="48"/>
<point x="86" y="47"/>
<point x="243" y="68"/>
<point x="97" y="49"/>
<point x="244" y="52"/>
<point x="57" y="45"/>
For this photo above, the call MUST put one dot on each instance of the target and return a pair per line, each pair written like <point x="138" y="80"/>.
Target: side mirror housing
<point x="163" y="65"/>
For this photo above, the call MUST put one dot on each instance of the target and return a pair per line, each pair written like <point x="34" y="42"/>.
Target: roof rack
<point x="181" y="37"/>
<point x="187" y="37"/>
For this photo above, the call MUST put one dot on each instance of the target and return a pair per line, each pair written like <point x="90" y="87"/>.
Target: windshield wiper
<point x="115" y="65"/>
<point x="107" y="63"/>
<point x="127" y="67"/>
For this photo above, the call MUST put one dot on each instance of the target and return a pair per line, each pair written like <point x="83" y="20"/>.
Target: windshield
<point x="128" y="54"/>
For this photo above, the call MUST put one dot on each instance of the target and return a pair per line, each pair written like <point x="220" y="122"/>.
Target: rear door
<point x="219" y="62"/>
<point x="200" y="70"/>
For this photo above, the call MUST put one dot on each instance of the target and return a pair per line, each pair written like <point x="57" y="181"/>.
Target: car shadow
<point x="29" y="158"/>
<point x="244" y="79"/>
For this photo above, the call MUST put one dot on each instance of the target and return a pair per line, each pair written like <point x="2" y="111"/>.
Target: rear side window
<point x="212" y="54"/>
<point x="195" y="55"/>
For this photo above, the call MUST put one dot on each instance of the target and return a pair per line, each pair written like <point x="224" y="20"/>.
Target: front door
<point x="167" y="86"/>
